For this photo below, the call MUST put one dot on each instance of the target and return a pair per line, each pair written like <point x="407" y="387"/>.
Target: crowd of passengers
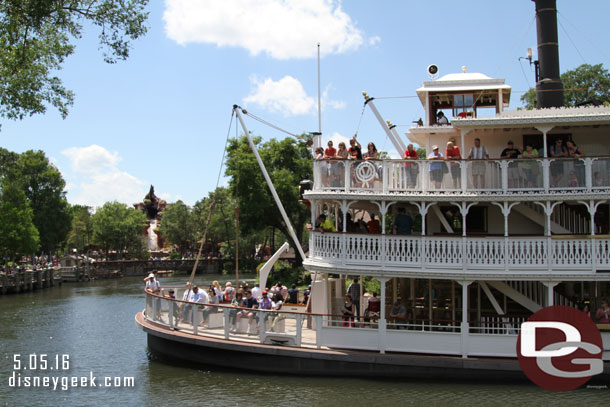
<point x="245" y="300"/>
<point x="559" y="149"/>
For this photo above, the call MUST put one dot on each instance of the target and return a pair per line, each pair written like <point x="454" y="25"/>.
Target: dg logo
<point x="560" y="348"/>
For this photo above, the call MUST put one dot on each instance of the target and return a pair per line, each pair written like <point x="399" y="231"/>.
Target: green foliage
<point x="421" y="153"/>
<point x="288" y="162"/>
<point x="178" y="225"/>
<point x="81" y="233"/>
<point x="118" y="227"/>
<point x="35" y="39"/>
<point x="18" y="235"/>
<point x="587" y="83"/>
<point x="44" y="188"/>
<point x="222" y="223"/>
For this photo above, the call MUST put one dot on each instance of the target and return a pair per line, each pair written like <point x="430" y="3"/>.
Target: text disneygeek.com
<point x="17" y="380"/>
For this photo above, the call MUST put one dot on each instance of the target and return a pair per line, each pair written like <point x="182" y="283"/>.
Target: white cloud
<point x="91" y="159"/>
<point x="282" y="29"/>
<point x="287" y="96"/>
<point x="94" y="178"/>
<point x="336" y="139"/>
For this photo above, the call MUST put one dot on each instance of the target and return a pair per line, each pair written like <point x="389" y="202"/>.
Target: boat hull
<point x="184" y="348"/>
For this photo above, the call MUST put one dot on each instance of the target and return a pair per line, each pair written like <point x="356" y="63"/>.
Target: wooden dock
<point x="28" y="280"/>
<point x="82" y="273"/>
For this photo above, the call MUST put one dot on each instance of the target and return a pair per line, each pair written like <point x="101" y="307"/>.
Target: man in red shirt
<point x="330" y="152"/>
<point x="411" y="169"/>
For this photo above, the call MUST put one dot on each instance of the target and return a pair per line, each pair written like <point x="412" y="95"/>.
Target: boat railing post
<point x="261" y="325"/>
<point x="318" y="320"/>
<point x="155" y="308"/>
<point x="195" y="318"/>
<point x="170" y="314"/>
<point x="299" y="338"/>
<point x="385" y="175"/>
<point x="227" y="316"/>
<point x="504" y="174"/>
<point x="348" y="174"/>
<point x="588" y="172"/>
<point x="546" y="163"/>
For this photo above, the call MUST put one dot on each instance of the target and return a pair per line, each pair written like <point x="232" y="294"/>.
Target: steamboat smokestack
<point x="549" y="89"/>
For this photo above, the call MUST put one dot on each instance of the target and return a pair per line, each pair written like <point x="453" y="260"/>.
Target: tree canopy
<point x="36" y="36"/>
<point x="81" y="232"/>
<point x="585" y="84"/>
<point x="178" y="225"/>
<point x="44" y="188"/>
<point x="18" y="235"/>
<point x="288" y="162"/>
<point x="118" y="227"/>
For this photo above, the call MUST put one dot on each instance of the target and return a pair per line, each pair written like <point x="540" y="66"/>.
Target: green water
<point x="93" y="323"/>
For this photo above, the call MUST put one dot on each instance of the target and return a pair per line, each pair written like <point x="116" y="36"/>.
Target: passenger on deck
<point x="371" y="152"/>
<point x="374" y="226"/>
<point x="218" y="291"/>
<point x="342" y="153"/>
<point x="354" y="291"/>
<point x="236" y="302"/>
<point x="398" y="314"/>
<point x="411" y="169"/>
<point x="330" y="152"/>
<point x="453" y="153"/>
<point x="229" y="293"/>
<point x="348" y="311"/>
<point x="557" y="150"/>
<point x="441" y="118"/>
<point x="282" y="289"/>
<point x="478" y="152"/>
<point x="603" y="314"/>
<point x="579" y="167"/>
<point x="152" y="285"/>
<point x="436" y="168"/>
<point x="250" y="303"/>
<point x="306" y="294"/>
<point x="213" y="300"/>
<point x="293" y="295"/>
<point x="325" y="224"/>
<point x="372" y="310"/>
<point x="529" y="171"/>
<point x="257" y="291"/>
<point x="403" y="223"/>
<point x="264" y="304"/>
<point x="276" y="305"/>
<point x="355" y="149"/>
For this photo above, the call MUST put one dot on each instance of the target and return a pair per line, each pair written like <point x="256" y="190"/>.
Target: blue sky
<point x="161" y="117"/>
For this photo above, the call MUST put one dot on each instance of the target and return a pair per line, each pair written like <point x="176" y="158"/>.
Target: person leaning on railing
<point x="530" y="169"/>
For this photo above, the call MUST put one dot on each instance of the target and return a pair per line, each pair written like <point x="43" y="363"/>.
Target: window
<point x="462" y="104"/>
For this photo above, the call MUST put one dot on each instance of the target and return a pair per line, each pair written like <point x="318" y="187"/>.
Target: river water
<point x="93" y="323"/>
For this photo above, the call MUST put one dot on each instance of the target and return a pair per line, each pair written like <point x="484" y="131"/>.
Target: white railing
<point x="461" y="253"/>
<point x="588" y="174"/>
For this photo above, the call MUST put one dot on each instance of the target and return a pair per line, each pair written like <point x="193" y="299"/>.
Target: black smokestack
<point x="549" y="89"/>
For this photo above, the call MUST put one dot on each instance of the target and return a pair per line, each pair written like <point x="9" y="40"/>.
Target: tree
<point x="18" y="235"/>
<point x="585" y="84"/>
<point x="118" y="227"/>
<point x="81" y="233"/>
<point x="288" y="162"/>
<point x="44" y="188"/>
<point x="36" y="37"/>
<point x="222" y="223"/>
<point x="178" y="225"/>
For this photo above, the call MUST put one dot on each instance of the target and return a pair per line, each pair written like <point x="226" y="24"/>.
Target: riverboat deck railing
<point x="507" y="176"/>
<point x="517" y="254"/>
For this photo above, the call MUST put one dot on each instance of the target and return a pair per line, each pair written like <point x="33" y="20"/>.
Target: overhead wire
<point x="570" y="39"/>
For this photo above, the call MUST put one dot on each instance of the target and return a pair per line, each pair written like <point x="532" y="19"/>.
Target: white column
<point x="544" y="130"/>
<point x="382" y="321"/>
<point x="550" y="285"/>
<point x="464" y="326"/>
<point x="463" y="169"/>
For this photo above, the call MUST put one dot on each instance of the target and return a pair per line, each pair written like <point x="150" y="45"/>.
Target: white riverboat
<point x="493" y="241"/>
<point x="481" y="260"/>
